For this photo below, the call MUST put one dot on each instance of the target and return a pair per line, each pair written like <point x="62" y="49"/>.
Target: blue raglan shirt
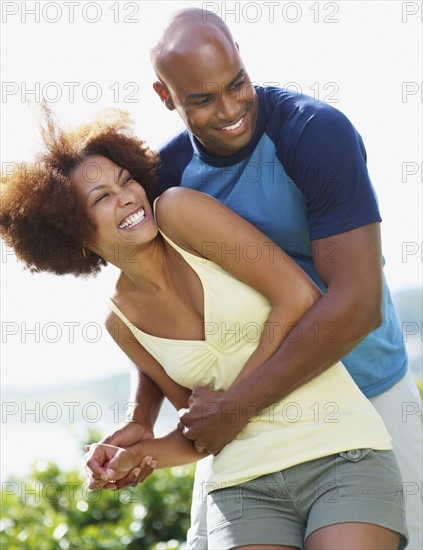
<point x="302" y="177"/>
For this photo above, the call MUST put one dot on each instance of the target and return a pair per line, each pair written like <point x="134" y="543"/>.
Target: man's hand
<point x="132" y="432"/>
<point x="128" y="435"/>
<point x="210" y="421"/>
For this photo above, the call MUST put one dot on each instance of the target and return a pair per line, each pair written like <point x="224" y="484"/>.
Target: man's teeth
<point x="133" y="219"/>
<point x="234" y="126"/>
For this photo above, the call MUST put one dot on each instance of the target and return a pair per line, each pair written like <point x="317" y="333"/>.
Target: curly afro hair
<point x="41" y="216"/>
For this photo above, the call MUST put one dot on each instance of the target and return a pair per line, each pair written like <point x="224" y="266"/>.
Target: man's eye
<point x="203" y="101"/>
<point x="128" y="179"/>
<point x="237" y="85"/>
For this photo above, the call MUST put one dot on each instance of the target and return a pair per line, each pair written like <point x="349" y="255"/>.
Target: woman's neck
<point x="148" y="268"/>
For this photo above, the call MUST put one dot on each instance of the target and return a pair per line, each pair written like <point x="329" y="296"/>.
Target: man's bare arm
<point x="350" y="266"/>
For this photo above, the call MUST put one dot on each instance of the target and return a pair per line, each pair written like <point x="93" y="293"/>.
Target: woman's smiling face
<point x="117" y="205"/>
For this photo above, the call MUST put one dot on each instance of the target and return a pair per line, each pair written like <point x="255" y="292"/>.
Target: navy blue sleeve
<point x="324" y="155"/>
<point x="175" y="155"/>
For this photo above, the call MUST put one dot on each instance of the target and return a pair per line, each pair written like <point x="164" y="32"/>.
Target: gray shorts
<point x="285" y="507"/>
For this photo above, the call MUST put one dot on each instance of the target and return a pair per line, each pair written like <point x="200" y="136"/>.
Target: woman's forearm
<point x="170" y="450"/>
<point x="147" y="401"/>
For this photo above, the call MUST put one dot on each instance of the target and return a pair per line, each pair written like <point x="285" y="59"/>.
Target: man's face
<point x="212" y="92"/>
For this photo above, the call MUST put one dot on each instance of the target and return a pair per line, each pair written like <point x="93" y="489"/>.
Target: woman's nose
<point x="126" y="196"/>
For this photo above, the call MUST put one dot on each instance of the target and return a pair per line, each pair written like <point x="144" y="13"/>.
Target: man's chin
<point x="227" y="147"/>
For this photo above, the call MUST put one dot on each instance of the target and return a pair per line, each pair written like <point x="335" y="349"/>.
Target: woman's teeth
<point x="133" y="219"/>
<point x="234" y="126"/>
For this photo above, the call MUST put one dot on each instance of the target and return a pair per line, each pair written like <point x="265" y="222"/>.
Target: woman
<point x="315" y="469"/>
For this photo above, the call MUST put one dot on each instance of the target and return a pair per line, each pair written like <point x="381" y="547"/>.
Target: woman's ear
<point x="163" y="94"/>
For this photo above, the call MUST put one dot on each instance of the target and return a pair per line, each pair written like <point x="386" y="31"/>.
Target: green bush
<point x="54" y="510"/>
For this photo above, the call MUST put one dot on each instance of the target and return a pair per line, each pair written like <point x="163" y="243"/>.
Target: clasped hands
<point x="110" y="464"/>
<point x="209" y="421"/>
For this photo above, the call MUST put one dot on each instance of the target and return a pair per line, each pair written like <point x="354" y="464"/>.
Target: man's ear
<point x="163" y="94"/>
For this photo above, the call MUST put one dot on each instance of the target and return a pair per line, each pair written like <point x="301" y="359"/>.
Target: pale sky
<point x="362" y="57"/>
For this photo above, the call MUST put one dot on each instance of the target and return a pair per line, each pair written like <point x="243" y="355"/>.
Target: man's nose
<point x="227" y="108"/>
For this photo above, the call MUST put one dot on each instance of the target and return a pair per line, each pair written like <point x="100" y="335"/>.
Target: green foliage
<point x="54" y="510"/>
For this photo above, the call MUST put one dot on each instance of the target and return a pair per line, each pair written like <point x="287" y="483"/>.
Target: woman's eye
<point x="101" y="197"/>
<point x="127" y="180"/>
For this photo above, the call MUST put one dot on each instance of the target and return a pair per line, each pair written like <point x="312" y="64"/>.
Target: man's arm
<point x="333" y="326"/>
<point x="345" y="314"/>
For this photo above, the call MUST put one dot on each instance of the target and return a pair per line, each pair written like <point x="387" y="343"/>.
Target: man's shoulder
<point x="295" y="106"/>
<point x="175" y="155"/>
<point x="177" y="143"/>
<point x="292" y="117"/>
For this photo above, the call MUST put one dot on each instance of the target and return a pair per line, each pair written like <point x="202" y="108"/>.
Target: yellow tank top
<point x="325" y="416"/>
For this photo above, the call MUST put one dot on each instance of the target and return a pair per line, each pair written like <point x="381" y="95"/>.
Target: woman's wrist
<point x="138" y="451"/>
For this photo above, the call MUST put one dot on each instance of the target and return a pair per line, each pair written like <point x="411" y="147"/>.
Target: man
<point x="295" y="168"/>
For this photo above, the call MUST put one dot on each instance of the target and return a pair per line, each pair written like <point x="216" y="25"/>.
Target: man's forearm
<point x="324" y="335"/>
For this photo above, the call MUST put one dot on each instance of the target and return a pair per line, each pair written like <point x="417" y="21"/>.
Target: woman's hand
<point x="131" y="433"/>
<point x="111" y="467"/>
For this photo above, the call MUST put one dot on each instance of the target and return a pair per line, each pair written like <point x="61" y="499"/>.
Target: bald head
<point x="189" y="31"/>
<point x="201" y="75"/>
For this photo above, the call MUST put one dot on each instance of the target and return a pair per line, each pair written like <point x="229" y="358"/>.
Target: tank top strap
<point x="189" y="256"/>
